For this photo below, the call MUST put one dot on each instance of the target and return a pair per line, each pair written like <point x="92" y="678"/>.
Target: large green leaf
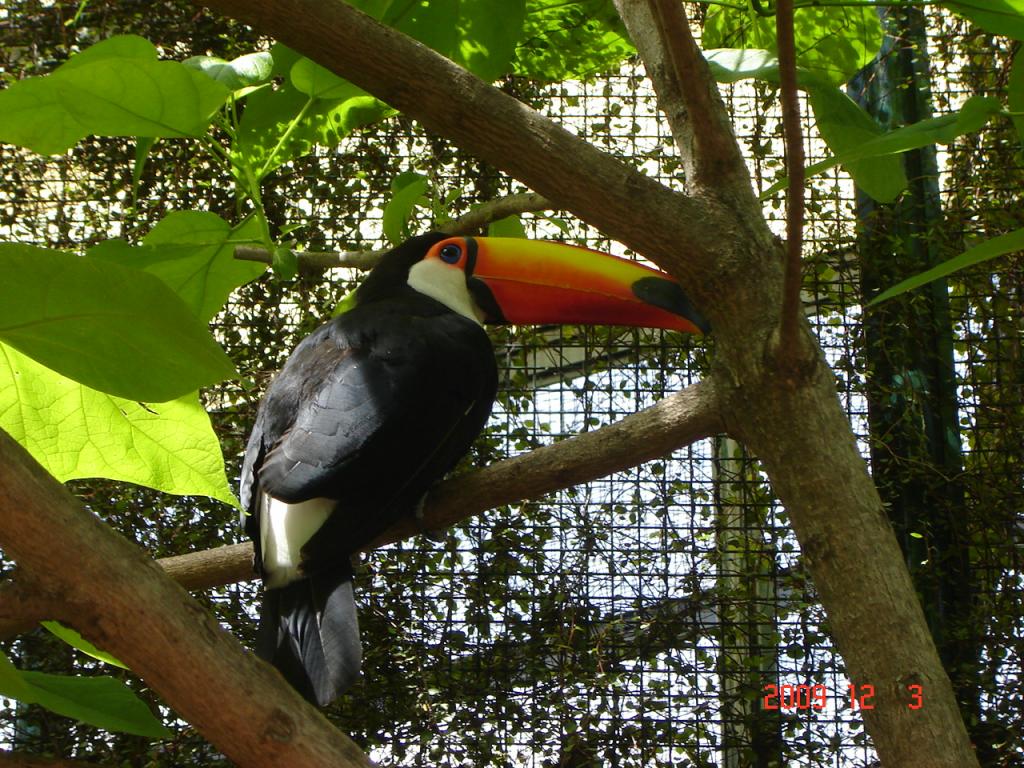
<point x="565" y="40"/>
<point x="318" y="82"/>
<point x="116" y="88"/>
<point x="510" y="226"/>
<point x="990" y="249"/>
<point x="77" y="432"/>
<point x="845" y="126"/>
<point x="193" y="253"/>
<point x="112" y="328"/>
<point x="1002" y="17"/>
<point x="124" y="47"/>
<point x="833" y="42"/>
<point x="730" y="65"/>
<point x="407" y="190"/>
<point x="473" y="33"/>
<point x="242" y="72"/>
<point x="12" y="684"/>
<point x="101" y="701"/>
<point x="75" y="640"/>
<point x="280" y="124"/>
<point x="945" y="129"/>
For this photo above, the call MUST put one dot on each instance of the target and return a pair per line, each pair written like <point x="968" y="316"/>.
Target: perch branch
<point x="118" y="598"/>
<point x="469" y="223"/>
<point x="675" y="421"/>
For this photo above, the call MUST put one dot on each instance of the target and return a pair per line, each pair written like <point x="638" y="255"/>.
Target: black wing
<point x="370" y="410"/>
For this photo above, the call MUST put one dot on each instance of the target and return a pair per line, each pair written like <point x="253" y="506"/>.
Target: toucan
<point x="378" y="404"/>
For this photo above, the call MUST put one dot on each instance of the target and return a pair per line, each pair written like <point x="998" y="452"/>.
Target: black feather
<point x="309" y="630"/>
<point x="370" y="410"/>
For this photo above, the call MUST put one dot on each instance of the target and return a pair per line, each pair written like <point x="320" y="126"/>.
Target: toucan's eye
<point x="451" y="253"/>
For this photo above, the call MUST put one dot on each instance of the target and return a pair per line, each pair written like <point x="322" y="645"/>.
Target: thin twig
<point x="791" y="305"/>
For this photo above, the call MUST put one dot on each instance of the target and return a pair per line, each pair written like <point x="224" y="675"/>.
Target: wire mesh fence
<point x="659" y="616"/>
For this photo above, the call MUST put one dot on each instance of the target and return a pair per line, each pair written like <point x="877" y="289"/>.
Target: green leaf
<point x="842" y="124"/>
<point x="936" y="130"/>
<point x="1002" y="17"/>
<point x="77" y="432"/>
<point x="75" y="640"/>
<point x="990" y="249"/>
<point x="487" y="39"/>
<point x="281" y="124"/>
<point x="108" y="96"/>
<point x="571" y="40"/>
<point x="347" y="302"/>
<point x="730" y="65"/>
<point x="12" y="685"/>
<point x="243" y="72"/>
<point x="317" y="82"/>
<point x="116" y="47"/>
<point x="101" y="701"/>
<point x="475" y="34"/>
<point x="833" y="42"/>
<point x="112" y="328"/>
<point x="193" y="253"/>
<point x="510" y="226"/>
<point x="284" y="262"/>
<point x="845" y="126"/>
<point x="408" y="190"/>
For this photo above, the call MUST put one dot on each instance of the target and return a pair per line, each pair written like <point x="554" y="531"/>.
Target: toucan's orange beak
<point x="539" y="282"/>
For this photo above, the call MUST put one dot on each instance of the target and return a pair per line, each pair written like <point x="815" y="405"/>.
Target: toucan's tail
<point x="309" y="631"/>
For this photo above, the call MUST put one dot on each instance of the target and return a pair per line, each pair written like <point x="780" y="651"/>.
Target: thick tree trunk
<point x="723" y="253"/>
<point x="805" y="443"/>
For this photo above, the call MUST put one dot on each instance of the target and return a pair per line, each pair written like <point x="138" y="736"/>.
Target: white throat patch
<point x="446" y="284"/>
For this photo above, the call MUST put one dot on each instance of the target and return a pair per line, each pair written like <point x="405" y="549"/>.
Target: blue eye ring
<point x="451" y="253"/>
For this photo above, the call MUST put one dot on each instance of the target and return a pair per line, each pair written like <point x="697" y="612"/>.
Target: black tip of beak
<point x="667" y="295"/>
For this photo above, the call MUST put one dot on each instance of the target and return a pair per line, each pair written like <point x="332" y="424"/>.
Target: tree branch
<point x="469" y="223"/>
<point x="495" y="210"/>
<point x="789" y="349"/>
<point x="682" y="78"/>
<point x="673" y="422"/>
<point x="119" y="599"/>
